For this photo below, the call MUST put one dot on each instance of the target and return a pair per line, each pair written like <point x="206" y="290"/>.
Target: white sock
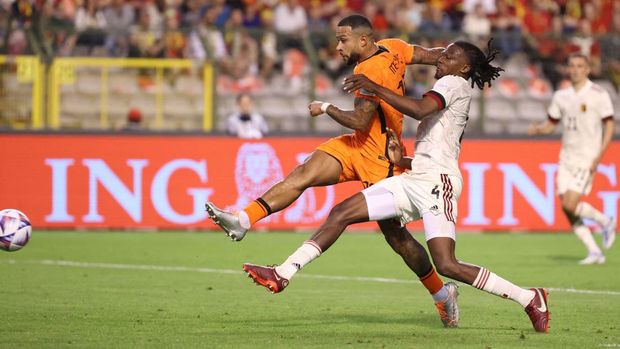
<point x="494" y="284"/>
<point x="585" y="210"/>
<point x="244" y="220"/>
<point x="305" y="254"/>
<point x="585" y="235"/>
<point x="440" y="295"/>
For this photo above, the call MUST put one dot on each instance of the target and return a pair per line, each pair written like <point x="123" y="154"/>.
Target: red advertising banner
<point x="143" y="181"/>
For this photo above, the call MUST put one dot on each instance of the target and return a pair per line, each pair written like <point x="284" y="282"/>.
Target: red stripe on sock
<point x="314" y="244"/>
<point x="485" y="279"/>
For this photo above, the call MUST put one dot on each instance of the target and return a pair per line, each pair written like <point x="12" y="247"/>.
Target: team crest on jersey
<point x="583" y="108"/>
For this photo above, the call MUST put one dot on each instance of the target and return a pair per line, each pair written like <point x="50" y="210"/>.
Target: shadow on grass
<point x="568" y="259"/>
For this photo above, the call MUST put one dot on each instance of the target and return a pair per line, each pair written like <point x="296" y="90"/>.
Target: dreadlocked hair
<point x="481" y="72"/>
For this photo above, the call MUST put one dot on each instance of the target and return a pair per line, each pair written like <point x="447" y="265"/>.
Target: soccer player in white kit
<point x="586" y="112"/>
<point x="430" y="191"/>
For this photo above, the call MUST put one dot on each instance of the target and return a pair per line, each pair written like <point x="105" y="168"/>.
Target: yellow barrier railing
<point x="62" y="72"/>
<point x="30" y="71"/>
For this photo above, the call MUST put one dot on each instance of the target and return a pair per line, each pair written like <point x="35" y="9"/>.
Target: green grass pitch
<point x="173" y="289"/>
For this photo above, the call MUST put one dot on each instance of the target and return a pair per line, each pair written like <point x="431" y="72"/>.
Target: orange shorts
<point x="355" y="165"/>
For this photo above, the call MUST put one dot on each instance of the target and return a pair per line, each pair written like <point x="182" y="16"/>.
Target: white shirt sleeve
<point x="554" y="110"/>
<point x="443" y="90"/>
<point x="605" y="107"/>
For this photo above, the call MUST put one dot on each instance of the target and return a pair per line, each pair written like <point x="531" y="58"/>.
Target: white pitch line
<point x="93" y="265"/>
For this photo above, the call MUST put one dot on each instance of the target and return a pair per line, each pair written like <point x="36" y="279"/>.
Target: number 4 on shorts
<point x="435" y="191"/>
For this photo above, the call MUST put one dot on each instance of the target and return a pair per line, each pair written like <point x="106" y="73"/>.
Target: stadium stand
<point x="255" y="47"/>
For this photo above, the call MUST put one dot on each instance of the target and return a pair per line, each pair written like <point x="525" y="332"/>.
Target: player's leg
<point x="440" y="235"/>
<point x="584" y="210"/>
<point x="416" y="258"/>
<point x="374" y="203"/>
<point x="406" y="246"/>
<point x="570" y="201"/>
<point x="350" y="211"/>
<point x="318" y="170"/>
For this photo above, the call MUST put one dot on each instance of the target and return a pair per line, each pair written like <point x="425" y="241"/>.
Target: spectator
<point x="375" y="14"/>
<point x="268" y="46"/>
<point x="434" y="20"/>
<point x="246" y="123"/>
<point x="410" y="16"/>
<point x="610" y="45"/>
<point x="583" y="42"/>
<point x="119" y="18"/>
<point x="145" y="42"/>
<point x="486" y="6"/>
<point x="507" y="28"/>
<point x="290" y="17"/>
<point x="206" y="32"/>
<point x="599" y="13"/>
<point x="477" y="26"/>
<point x="90" y="24"/>
<point x="174" y="39"/>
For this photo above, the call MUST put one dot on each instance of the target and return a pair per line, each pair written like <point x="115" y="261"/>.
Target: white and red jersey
<point x="582" y="113"/>
<point x="438" y="140"/>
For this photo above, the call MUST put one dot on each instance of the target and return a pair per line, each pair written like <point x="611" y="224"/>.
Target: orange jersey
<point x="387" y="68"/>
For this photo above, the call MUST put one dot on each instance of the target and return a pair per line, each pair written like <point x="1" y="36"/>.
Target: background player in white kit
<point x="430" y="191"/>
<point x="586" y="112"/>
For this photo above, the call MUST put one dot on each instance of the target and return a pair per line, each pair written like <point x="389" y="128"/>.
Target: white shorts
<point x="412" y="196"/>
<point x="573" y="178"/>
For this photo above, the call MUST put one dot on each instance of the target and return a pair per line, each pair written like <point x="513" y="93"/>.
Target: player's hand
<point x="534" y="129"/>
<point x="315" y="108"/>
<point x="358" y="81"/>
<point x="395" y="149"/>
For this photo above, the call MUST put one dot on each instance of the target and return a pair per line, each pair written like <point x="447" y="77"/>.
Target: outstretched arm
<point x="416" y="108"/>
<point x="357" y="119"/>
<point x="424" y="55"/>
<point x="608" y="134"/>
<point x="543" y="128"/>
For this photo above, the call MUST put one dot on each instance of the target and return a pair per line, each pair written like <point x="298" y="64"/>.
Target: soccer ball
<point x="15" y="230"/>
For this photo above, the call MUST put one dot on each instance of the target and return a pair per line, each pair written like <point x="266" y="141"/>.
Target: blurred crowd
<point x="252" y="41"/>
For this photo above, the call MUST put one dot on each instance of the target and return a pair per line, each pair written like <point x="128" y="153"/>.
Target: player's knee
<point x="569" y="207"/>
<point x="340" y="214"/>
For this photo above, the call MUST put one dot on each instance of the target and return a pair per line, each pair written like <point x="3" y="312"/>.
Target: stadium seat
<point x="517" y="127"/>
<point x="531" y="110"/>
<point x="122" y="82"/>
<point x="178" y="105"/>
<point x="82" y="105"/>
<point x="188" y="84"/>
<point x="294" y="125"/>
<point x="499" y="109"/>
<point x="539" y="88"/>
<point x="493" y="127"/>
<point x="146" y="103"/>
<point x="326" y="124"/>
<point x="88" y="83"/>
